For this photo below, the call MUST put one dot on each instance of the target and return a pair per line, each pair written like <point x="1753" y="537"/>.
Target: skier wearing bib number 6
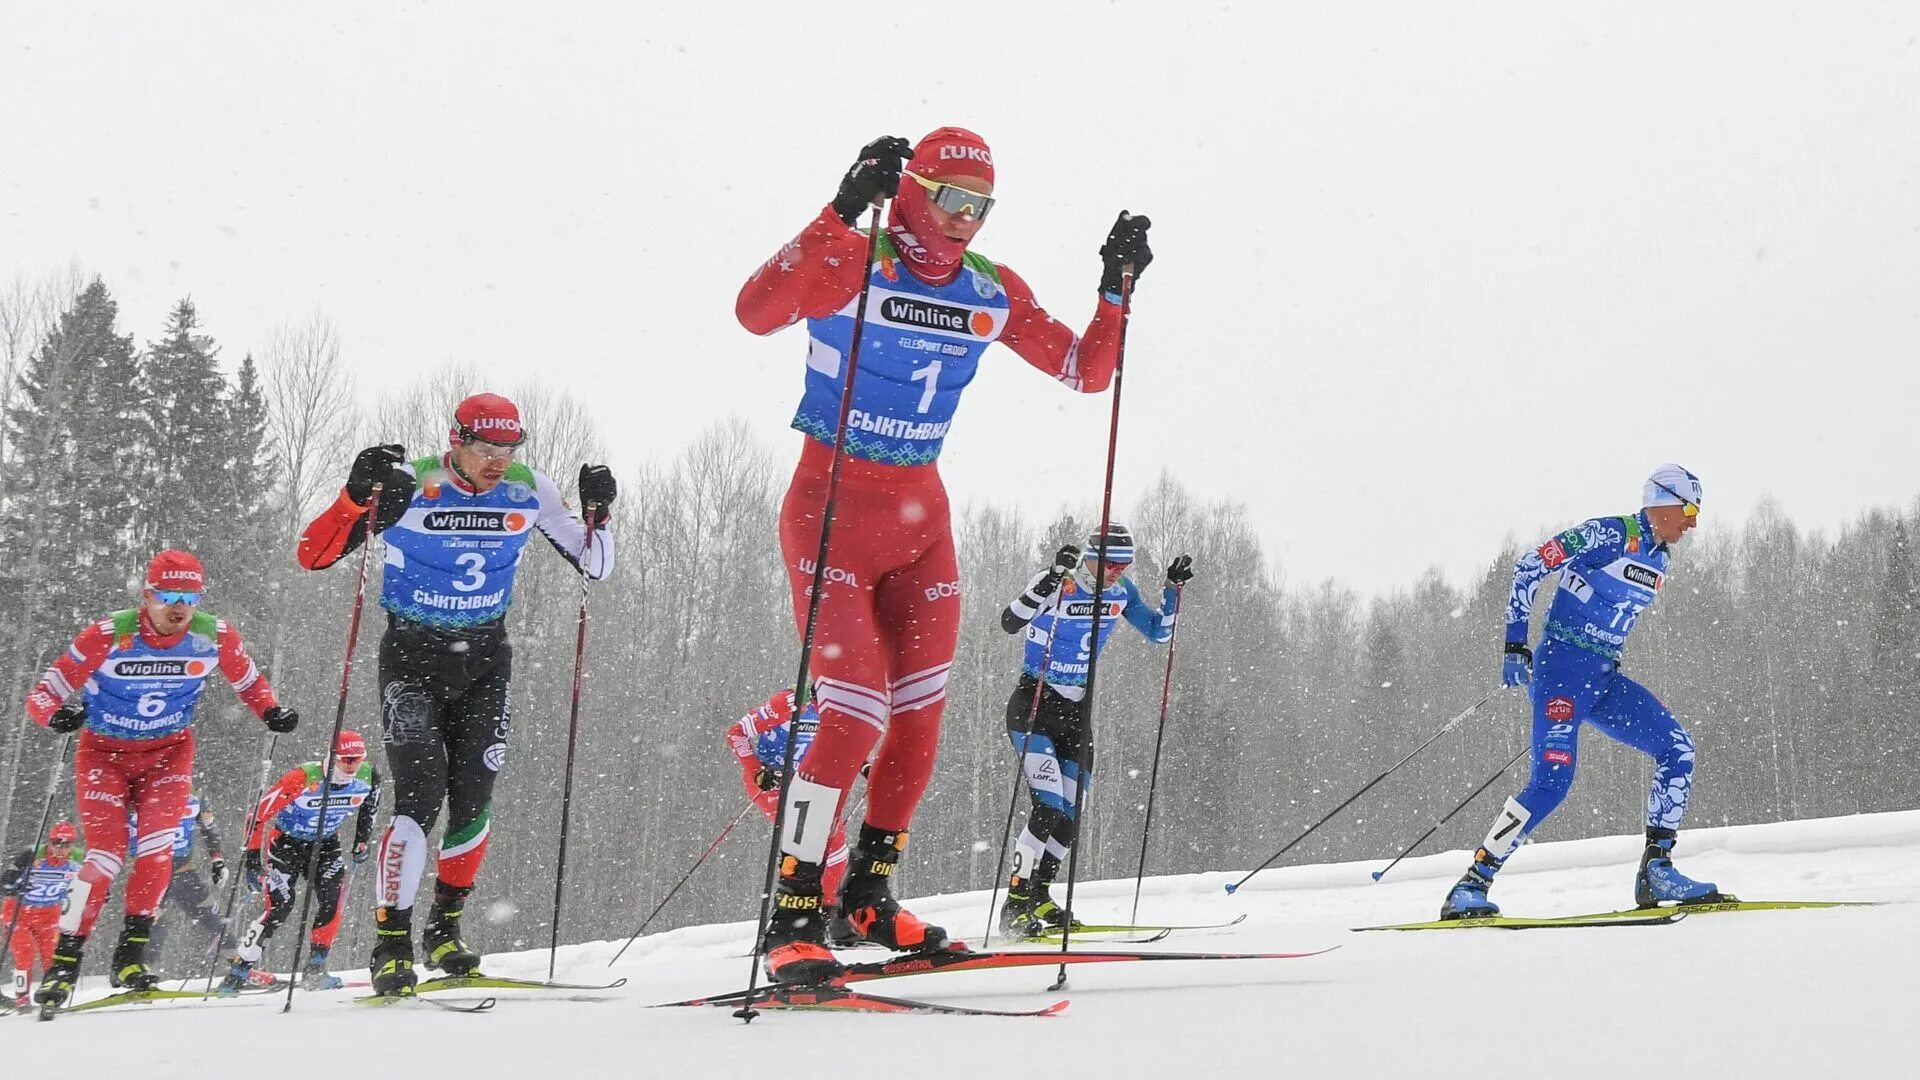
<point x="455" y="525"/>
<point x="1611" y="569"/>
<point x="889" y="612"/>
<point x="132" y="681"/>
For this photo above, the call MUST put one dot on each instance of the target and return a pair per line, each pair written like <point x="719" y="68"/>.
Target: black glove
<point x="597" y="490"/>
<point x="280" y="720"/>
<point x="1064" y="561"/>
<point x="373" y="466"/>
<point x="875" y="176"/>
<point x="1127" y="243"/>
<point x="68" y="718"/>
<point x="1180" y="571"/>
<point x="766" y="779"/>
<point x="250" y="863"/>
<point x="217" y="868"/>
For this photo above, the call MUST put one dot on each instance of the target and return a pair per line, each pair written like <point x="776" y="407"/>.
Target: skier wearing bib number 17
<point x="889" y="612"/>
<point x="455" y="525"/>
<point x="133" y="680"/>
<point x="1611" y="569"/>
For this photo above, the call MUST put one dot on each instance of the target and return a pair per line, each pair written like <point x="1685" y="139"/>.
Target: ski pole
<point x="1408" y="850"/>
<point x="233" y="890"/>
<point x="326" y="767"/>
<point x="46" y="815"/>
<point x="1099" y="613"/>
<point x="573" y="736"/>
<point x="671" y="893"/>
<point x="1020" y="758"/>
<point x="801" y="691"/>
<point x="1153" y="775"/>
<point x="1444" y="728"/>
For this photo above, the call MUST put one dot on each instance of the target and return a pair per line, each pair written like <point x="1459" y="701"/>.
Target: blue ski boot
<point x="316" y="976"/>
<point x="1468" y="900"/>
<point x="237" y="977"/>
<point x="1658" y="882"/>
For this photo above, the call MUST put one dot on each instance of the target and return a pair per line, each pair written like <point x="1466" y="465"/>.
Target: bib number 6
<point x="152" y="704"/>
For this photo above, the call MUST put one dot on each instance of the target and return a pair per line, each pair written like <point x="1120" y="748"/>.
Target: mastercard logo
<point x="197" y="668"/>
<point x="981" y="324"/>
<point x="516" y="522"/>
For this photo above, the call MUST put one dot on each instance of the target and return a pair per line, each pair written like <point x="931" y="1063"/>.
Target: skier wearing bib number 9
<point x="1611" y="569"/>
<point x="132" y="681"/>
<point x="455" y="525"/>
<point x="889" y="612"/>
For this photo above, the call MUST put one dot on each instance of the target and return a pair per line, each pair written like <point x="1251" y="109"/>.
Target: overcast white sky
<point x="1425" y="274"/>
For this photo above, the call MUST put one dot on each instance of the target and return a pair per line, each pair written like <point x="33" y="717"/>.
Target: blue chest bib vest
<point x="143" y="692"/>
<point x="1604" y="589"/>
<point x="771" y="746"/>
<point x="921" y="348"/>
<point x="302" y="816"/>
<point x="451" y="558"/>
<point x="48" y="881"/>
<point x="1067" y="664"/>
<point x="183" y="841"/>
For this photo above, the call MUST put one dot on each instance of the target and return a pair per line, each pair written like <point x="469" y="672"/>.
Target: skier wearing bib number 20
<point x="132" y="681"/>
<point x="890" y="607"/>
<point x="280" y="847"/>
<point x="455" y="525"/>
<point x="1611" y="569"/>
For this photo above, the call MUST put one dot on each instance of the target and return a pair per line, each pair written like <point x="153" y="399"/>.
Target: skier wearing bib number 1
<point x="455" y="525"/>
<point x="1611" y="569"/>
<point x="132" y="680"/>
<point x="890" y="607"/>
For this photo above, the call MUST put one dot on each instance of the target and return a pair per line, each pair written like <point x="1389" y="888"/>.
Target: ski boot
<point x="445" y="951"/>
<point x="869" y="904"/>
<point x="316" y="976"/>
<point x="1659" y="882"/>
<point x="840" y="931"/>
<point x="1020" y="916"/>
<point x="796" y="941"/>
<point x="1468" y="900"/>
<point x="130" y="970"/>
<point x="392" y="963"/>
<point x="239" y="975"/>
<point x="56" y="983"/>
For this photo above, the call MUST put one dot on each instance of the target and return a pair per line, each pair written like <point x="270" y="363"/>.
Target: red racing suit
<point x="152" y="776"/>
<point x="759" y="740"/>
<point x="890" y="606"/>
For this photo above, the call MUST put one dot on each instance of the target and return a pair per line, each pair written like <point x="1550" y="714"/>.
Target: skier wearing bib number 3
<point x="889" y="613"/>
<point x="133" y="680"/>
<point x="1611" y="570"/>
<point x="455" y="525"/>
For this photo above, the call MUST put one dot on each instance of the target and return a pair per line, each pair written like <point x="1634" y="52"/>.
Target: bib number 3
<point x="475" y="577"/>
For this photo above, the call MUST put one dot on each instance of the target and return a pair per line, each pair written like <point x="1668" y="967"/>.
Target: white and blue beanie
<point x="1671" y="485"/>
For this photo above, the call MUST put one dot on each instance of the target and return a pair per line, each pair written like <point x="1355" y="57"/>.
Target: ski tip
<point x="1055" y="1009"/>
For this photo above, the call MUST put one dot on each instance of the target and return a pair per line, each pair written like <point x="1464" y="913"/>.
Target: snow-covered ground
<point x="1814" y="993"/>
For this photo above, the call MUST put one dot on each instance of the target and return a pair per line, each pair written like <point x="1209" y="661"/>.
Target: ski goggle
<point x="1688" y="508"/>
<point x="175" y="596"/>
<point x="493" y="451"/>
<point x="954" y="199"/>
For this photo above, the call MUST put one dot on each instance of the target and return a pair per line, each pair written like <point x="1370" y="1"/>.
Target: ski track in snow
<point x="1818" y="993"/>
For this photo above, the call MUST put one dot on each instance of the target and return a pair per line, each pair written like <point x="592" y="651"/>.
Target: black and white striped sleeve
<point x="1024" y="607"/>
